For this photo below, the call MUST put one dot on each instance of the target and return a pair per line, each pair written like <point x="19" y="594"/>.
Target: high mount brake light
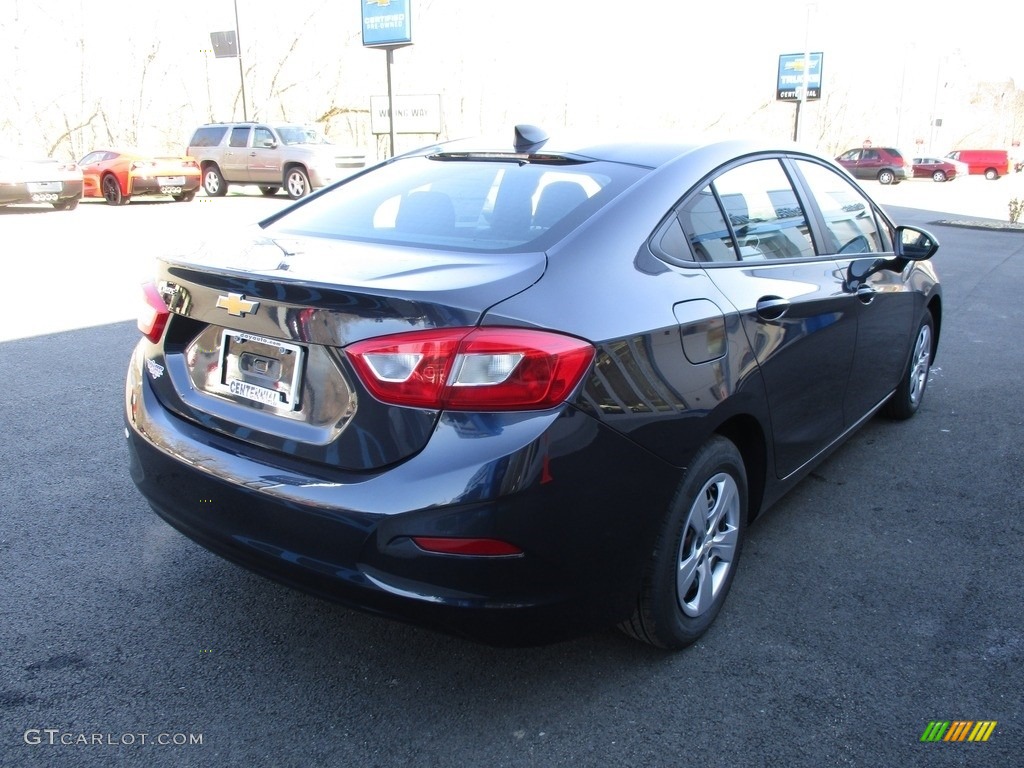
<point x="472" y="369"/>
<point x="154" y="313"/>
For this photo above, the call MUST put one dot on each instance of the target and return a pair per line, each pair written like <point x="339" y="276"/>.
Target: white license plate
<point x="171" y="181"/>
<point x="252" y="392"/>
<point x="45" y="186"/>
<point x="261" y="370"/>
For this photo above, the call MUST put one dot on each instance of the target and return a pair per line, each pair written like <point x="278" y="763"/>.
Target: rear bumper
<point x="581" y="501"/>
<point x="13" y="194"/>
<point x="151" y="185"/>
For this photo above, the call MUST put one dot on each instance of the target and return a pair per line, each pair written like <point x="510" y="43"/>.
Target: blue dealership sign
<point x="387" y="23"/>
<point x="791" y="76"/>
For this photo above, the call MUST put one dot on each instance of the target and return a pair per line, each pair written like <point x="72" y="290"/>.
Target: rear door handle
<point x="772" y="307"/>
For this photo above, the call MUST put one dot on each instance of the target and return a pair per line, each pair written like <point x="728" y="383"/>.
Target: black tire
<point x="908" y="395"/>
<point x="939" y="176"/>
<point x="66" y="205"/>
<point x="695" y="557"/>
<point x="112" y="191"/>
<point x="296" y="183"/>
<point x="991" y="174"/>
<point x="886" y="177"/>
<point x="269" y="191"/>
<point x="213" y="182"/>
<point x="185" y="197"/>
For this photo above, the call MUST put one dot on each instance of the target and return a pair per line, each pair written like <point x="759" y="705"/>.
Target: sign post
<point x="387" y="24"/>
<point x="226" y="45"/>
<point x="799" y="81"/>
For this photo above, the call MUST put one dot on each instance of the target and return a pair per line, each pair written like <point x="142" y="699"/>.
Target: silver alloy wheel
<point x="211" y="182"/>
<point x="886" y="177"/>
<point x="922" y="363"/>
<point x="708" y="545"/>
<point x="297" y="183"/>
<point x="938" y="176"/>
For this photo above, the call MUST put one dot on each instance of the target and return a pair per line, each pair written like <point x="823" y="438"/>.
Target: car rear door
<point x="235" y="165"/>
<point x="792" y="302"/>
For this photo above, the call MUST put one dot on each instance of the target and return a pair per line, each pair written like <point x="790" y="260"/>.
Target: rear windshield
<point x="463" y="204"/>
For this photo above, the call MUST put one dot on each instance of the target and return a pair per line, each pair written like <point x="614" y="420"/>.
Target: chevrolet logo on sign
<point x="236" y="304"/>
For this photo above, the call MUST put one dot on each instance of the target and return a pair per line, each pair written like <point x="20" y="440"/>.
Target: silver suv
<point x="270" y="155"/>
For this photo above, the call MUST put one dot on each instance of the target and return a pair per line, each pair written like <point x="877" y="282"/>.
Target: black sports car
<point x="519" y="392"/>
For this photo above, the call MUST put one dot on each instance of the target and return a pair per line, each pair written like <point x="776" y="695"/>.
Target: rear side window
<point x="463" y="203"/>
<point x="749" y="213"/>
<point x="239" y="137"/>
<point x="851" y="225"/>
<point x="208" y="136"/>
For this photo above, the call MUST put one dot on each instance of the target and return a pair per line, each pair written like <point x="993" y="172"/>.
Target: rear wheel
<point x="991" y="174"/>
<point x="886" y="177"/>
<point x="269" y="191"/>
<point x="112" y="191"/>
<point x="296" y="183"/>
<point x="214" y="183"/>
<point x="939" y="176"/>
<point x="908" y="396"/>
<point x="697" y="551"/>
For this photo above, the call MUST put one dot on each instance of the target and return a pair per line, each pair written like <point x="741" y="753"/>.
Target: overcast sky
<point x="635" y="63"/>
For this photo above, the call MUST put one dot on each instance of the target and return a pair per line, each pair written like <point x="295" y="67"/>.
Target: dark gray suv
<point x="270" y="155"/>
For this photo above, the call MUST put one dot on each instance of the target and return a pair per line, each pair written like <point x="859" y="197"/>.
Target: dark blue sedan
<point x="518" y="392"/>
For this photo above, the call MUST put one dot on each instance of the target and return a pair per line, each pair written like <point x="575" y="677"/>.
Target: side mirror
<point x="915" y="244"/>
<point x="269" y="143"/>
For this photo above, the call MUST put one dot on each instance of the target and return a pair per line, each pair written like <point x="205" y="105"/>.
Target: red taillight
<point x="154" y="313"/>
<point x="467" y="547"/>
<point x="472" y="369"/>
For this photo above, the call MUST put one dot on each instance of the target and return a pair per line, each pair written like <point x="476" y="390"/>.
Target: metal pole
<point x="391" y="104"/>
<point x="807" y="72"/>
<point x="241" y="69"/>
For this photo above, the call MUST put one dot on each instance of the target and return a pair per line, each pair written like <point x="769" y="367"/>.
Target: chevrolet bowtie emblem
<point x="236" y="304"/>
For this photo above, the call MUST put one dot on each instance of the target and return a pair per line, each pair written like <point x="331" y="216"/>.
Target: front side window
<point x="263" y="137"/>
<point x="850" y="222"/>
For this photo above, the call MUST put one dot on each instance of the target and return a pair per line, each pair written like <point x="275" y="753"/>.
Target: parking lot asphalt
<point x="883" y="594"/>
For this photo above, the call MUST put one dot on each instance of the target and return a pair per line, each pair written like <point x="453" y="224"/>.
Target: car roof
<point x="531" y="142"/>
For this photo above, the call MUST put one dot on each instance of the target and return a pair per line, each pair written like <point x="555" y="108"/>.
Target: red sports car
<point x="118" y="176"/>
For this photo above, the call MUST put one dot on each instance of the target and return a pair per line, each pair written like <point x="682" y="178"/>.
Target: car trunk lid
<point x="254" y="343"/>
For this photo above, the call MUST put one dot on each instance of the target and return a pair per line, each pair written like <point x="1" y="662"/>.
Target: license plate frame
<point x="170" y="181"/>
<point x="45" y="186"/>
<point x="262" y="371"/>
